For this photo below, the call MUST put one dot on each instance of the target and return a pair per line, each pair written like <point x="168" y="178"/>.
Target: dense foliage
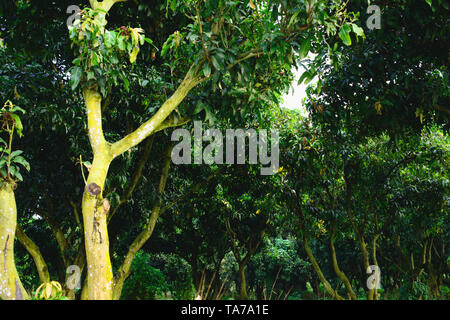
<point x="363" y="178"/>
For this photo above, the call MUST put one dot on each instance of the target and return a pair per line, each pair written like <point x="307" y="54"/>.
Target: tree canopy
<point x="92" y="94"/>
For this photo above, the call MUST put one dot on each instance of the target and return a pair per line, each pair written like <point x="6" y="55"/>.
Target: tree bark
<point x="142" y="238"/>
<point x="35" y="253"/>
<point x="340" y="274"/>
<point x="11" y="287"/>
<point x="242" y="282"/>
<point x="319" y="272"/>
<point x="100" y="277"/>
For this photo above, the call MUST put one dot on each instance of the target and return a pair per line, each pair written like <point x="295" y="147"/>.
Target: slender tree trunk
<point x="341" y="275"/>
<point x="11" y="287"/>
<point x="242" y="282"/>
<point x="375" y="261"/>
<point x="319" y="272"/>
<point x="365" y="256"/>
<point x="145" y="234"/>
<point x="34" y="251"/>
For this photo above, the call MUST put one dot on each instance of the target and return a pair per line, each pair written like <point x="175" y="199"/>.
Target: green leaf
<point x="75" y="76"/>
<point x="16" y="153"/>
<point x="206" y="69"/>
<point x="77" y="61"/>
<point x="148" y="40"/>
<point x="16" y="108"/>
<point x="18" y="124"/>
<point x="199" y="107"/>
<point x="306" y="76"/>
<point x="306" y="45"/>
<point x="110" y="39"/>
<point x="121" y="43"/>
<point x="429" y="3"/>
<point x="126" y="84"/>
<point x="167" y="45"/>
<point x="15" y="172"/>
<point x="22" y="161"/>
<point x="95" y="59"/>
<point x="344" y="34"/>
<point x="215" y="63"/>
<point x="359" y="31"/>
<point x="291" y="21"/>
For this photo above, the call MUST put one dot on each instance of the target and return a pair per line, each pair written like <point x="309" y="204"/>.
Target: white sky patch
<point x="294" y="98"/>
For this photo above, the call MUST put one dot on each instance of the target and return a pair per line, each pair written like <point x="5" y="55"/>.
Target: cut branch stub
<point x="106" y="206"/>
<point x="93" y="189"/>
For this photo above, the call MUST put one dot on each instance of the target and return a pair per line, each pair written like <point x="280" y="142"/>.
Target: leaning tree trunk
<point x="10" y="286"/>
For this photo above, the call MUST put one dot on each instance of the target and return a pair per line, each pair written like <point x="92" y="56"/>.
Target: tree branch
<point x="59" y="234"/>
<point x="142" y="238"/>
<point x="193" y="190"/>
<point x="245" y="56"/>
<point x="442" y="109"/>
<point x="35" y="253"/>
<point x="149" y="127"/>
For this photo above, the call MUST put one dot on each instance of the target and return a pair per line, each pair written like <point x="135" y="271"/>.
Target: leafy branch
<point x="9" y="160"/>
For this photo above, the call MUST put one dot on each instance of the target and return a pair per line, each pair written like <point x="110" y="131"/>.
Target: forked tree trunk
<point x="100" y="276"/>
<point x="340" y="274"/>
<point x="319" y="272"/>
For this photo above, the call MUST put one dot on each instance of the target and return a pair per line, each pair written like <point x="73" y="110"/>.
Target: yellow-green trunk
<point x="100" y="277"/>
<point x="10" y="286"/>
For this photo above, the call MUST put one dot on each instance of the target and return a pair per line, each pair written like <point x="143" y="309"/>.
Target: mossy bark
<point x="340" y="274"/>
<point x="319" y="272"/>
<point x="100" y="276"/>
<point x="35" y="253"/>
<point x="11" y="287"/>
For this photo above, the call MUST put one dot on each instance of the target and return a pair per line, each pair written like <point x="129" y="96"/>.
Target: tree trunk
<point x="243" y="282"/>
<point x="35" y="253"/>
<point x="341" y="275"/>
<point x="319" y="272"/>
<point x="100" y="277"/>
<point x="365" y="256"/>
<point x="11" y="287"/>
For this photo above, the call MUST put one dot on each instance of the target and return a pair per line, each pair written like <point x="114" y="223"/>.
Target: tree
<point x="97" y="67"/>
